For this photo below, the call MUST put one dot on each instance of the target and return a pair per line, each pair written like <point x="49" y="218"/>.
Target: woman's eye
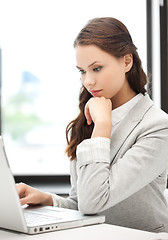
<point x="82" y="71"/>
<point x="97" y="69"/>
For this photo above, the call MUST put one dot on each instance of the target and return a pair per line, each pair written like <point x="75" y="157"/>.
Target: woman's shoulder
<point x="157" y="112"/>
<point x="153" y="115"/>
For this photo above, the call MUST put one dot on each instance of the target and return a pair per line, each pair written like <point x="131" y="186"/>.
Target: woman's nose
<point x="89" y="80"/>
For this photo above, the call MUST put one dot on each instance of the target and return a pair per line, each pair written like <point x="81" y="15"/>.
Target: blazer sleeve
<point x="71" y="200"/>
<point x="101" y="184"/>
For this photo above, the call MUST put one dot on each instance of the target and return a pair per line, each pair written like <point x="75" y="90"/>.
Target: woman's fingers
<point x="98" y="109"/>
<point x="21" y="189"/>
<point x="87" y="114"/>
<point x="27" y="194"/>
<point x="32" y="196"/>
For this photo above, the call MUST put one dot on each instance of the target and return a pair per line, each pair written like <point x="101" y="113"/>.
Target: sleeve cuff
<point x="55" y="199"/>
<point x="93" y="150"/>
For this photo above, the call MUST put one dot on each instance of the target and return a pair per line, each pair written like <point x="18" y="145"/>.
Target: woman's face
<point x="103" y="74"/>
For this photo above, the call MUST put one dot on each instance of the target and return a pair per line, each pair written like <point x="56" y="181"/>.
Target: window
<point x="40" y="83"/>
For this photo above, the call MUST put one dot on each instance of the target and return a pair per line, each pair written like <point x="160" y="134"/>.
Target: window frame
<point x="164" y="54"/>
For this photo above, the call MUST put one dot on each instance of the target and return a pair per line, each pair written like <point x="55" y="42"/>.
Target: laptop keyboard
<point x="36" y="219"/>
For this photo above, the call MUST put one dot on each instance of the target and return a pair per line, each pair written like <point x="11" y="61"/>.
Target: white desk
<point x="94" y="232"/>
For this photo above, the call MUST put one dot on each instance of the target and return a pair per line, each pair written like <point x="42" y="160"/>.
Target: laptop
<point x="36" y="219"/>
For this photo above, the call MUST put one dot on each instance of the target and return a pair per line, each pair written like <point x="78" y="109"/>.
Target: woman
<point x="118" y="142"/>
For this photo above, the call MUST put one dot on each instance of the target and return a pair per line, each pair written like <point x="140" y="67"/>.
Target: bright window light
<point x="40" y="83"/>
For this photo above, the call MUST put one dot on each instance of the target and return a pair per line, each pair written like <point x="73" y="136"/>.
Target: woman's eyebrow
<point x="89" y="64"/>
<point x="78" y="67"/>
<point x="92" y="63"/>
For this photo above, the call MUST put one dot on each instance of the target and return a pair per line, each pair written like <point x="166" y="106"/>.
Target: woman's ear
<point x="128" y="60"/>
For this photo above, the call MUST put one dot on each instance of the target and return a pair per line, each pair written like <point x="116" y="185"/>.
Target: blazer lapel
<point x="127" y="125"/>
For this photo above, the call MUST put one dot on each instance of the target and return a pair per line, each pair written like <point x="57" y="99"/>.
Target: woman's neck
<point x="123" y="96"/>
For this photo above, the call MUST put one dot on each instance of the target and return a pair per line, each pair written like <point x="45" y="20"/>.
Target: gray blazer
<point x="125" y="177"/>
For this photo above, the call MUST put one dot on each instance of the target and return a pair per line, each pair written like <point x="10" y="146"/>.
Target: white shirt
<point x="119" y="113"/>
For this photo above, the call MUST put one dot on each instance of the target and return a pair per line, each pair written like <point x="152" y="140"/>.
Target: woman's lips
<point x="95" y="92"/>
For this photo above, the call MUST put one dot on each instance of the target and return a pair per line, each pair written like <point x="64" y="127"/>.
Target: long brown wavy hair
<point x="110" y="35"/>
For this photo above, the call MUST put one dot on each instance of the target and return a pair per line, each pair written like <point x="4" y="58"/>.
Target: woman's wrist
<point x="102" y="129"/>
<point x="47" y="199"/>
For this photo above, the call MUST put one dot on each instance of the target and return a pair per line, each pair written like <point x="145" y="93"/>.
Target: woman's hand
<point x="32" y="196"/>
<point x="98" y="110"/>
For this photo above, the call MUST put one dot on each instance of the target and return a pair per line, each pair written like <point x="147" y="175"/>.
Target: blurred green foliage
<point x="19" y="117"/>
